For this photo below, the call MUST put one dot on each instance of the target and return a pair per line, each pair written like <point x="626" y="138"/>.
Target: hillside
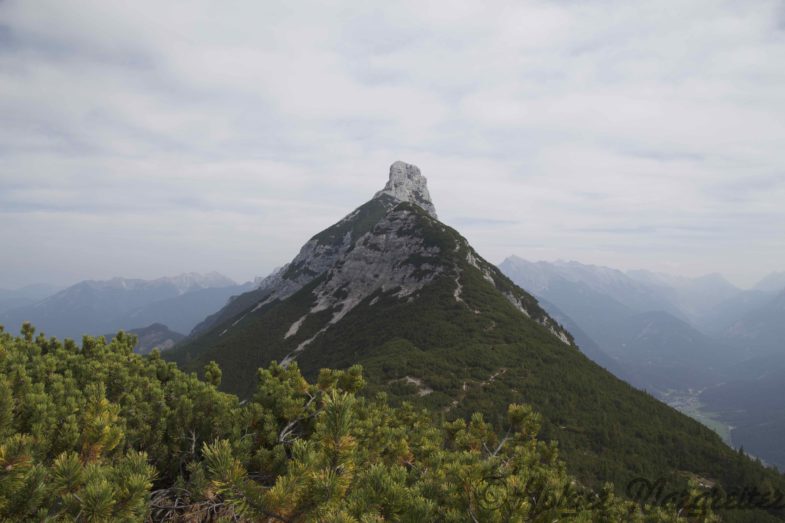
<point x="155" y="336"/>
<point x="753" y="403"/>
<point x="182" y="313"/>
<point x="670" y="351"/>
<point x="24" y="296"/>
<point x="136" y="439"/>
<point x="761" y="330"/>
<point x="394" y="289"/>
<point x="774" y="282"/>
<point x="722" y="316"/>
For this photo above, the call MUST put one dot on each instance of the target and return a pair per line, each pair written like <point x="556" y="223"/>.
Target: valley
<point x="689" y="403"/>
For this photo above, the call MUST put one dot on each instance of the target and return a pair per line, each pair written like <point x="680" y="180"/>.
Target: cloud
<point x="200" y="136"/>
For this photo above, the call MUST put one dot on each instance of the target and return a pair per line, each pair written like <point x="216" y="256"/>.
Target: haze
<point x="149" y="138"/>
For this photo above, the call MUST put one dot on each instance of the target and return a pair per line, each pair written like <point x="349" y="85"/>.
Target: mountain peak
<point x="407" y="184"/>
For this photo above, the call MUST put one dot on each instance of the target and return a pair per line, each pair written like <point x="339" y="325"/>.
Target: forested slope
<point x="98" y="433"/>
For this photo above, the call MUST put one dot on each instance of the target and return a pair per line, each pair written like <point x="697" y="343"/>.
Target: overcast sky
<point x="151" y="138"/>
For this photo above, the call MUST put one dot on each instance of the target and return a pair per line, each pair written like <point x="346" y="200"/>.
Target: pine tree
<point x="98" y="433"/>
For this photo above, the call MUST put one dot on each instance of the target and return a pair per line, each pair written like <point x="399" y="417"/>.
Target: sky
<point x="148" y="138"/>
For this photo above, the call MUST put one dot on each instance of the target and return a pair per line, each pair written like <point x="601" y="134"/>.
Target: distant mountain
<point x="182" y="313"/>
<point x="639" y="290"/>
<point x="717" y="320"/>
<point x="258" y="291"/>
<point x="666" y="352"/>
<point x="23" y="296"/>
<point x="774" y="282"/>
<point x="754" y="406"/>
<point x="595" y="312"/>
<point x="540" y="277"/>
<point x="691" y="297"/>
<point x="635" y="322"/>
<point x="761" y="330"/>
<point x="587" y="345"/>
<point x="393" y="289"/>
<point x="752" y="399"/>
<point x="97" y="307"/>
<point x="155" y="336"/>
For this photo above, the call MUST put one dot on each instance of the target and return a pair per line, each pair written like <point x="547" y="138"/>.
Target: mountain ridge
<point x="95" y="307"/>
<point x="153" y="336"/>
<point x="391" y="288"/>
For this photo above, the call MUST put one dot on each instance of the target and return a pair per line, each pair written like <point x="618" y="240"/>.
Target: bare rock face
<point x="407" y="184"/>
<point x="391" y="248"/>
<point x="378" y="247"/>
<point x="380" y="260"/>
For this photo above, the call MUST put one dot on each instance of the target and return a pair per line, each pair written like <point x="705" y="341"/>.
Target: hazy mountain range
<point x="28" y="295"/>
<point x="99" y="307"/>
<point x="678" y="337"/>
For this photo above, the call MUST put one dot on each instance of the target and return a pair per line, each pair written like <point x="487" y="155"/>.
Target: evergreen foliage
<point x="98" y="433"/>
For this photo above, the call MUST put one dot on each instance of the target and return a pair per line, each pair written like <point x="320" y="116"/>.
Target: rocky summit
<point x="407" y="184"/>
<point x="374" y="248"/>
<point x="392" y="288"/>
